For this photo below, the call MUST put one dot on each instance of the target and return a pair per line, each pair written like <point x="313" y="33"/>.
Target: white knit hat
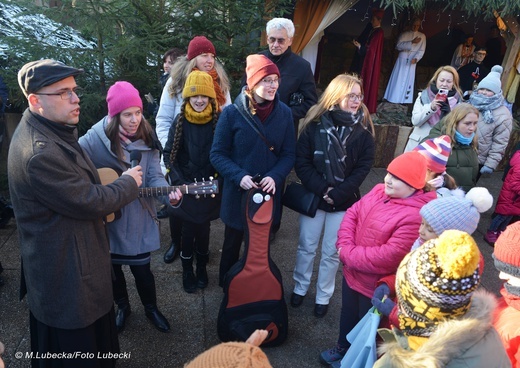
<point x="492" y="80"/>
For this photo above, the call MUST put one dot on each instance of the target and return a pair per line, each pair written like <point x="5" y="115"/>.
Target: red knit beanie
<point x="200" y="45"/>
<point x="410" y="168"/>
<point x="507" y="250"/>
<point x="121" y="96"/>
<point x="259" y="67"/>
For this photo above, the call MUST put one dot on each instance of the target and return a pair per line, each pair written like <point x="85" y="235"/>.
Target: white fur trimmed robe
<point x="469" y="342"/>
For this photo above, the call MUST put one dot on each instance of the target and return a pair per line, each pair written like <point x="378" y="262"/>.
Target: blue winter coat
<point x="238" y="151"/>
<point x="136" y="232"/>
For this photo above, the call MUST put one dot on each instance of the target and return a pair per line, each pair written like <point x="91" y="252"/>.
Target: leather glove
<point x="486" y="170"/>
<point x="445" y="108"/>
<point x="384" y="307"/>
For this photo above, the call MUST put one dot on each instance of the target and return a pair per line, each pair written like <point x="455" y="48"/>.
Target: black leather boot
<point x="189" y="282"/>
<point x="148" y="295"/>
<point x="156" y="317"/>
<point x="202" y="274"/>
<point x="171" y="253"/>
<point x="123" y="311"/>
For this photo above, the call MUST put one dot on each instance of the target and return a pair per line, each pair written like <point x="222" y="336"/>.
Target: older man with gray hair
<point x="297" y="88"/>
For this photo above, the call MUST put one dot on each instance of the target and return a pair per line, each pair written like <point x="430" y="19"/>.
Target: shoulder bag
<point x="299" y="199"/>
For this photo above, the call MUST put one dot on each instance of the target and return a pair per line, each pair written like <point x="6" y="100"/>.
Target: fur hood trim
<point x="451" y="339"/>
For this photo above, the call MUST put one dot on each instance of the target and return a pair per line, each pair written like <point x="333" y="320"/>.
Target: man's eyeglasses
<point x="271" y="82"/>
<point x="353" y="97"/>
<point x="280" y="41"/>
<point x="65" y="95"/>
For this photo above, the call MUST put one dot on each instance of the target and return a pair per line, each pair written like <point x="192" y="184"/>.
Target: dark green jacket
<point x="463" y="161"/>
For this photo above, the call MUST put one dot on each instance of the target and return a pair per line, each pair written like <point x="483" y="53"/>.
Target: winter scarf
<point x="430" y="93"/>
<point x="486" y="105"/>
<point x="333" y="131"/>
<point x="126" y="138"/>
<point x="195" y="117"/>
<point x="221" y="98"/>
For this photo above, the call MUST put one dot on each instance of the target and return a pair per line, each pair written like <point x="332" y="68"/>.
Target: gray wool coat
<point x="59" y="206"/>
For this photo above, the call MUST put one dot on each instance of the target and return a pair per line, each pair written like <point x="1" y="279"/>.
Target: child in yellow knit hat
<point x="443" y="320"/>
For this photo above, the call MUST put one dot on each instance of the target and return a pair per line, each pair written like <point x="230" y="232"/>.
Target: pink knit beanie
<point x="121" y="96"/>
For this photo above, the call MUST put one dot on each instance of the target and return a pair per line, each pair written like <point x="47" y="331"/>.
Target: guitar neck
<point x="162" y="191"/>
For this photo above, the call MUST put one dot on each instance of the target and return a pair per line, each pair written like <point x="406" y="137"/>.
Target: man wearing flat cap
<point x="60" y="204"/>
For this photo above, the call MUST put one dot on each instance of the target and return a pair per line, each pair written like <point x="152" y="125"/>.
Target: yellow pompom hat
<point x="436" y="281"/>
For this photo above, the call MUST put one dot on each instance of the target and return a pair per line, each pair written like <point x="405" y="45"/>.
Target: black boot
<point x="202" y="274"/>
<point x="153" y="314"/>
<point x="148" y="297"/>
<point x="171" y="253"/>
<point x="6" y="212"/>
<point x="123" y="311"/>
<point x="189" y="282"/>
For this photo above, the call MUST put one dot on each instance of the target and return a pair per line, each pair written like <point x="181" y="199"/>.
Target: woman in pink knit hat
<point x="118" y="141"/>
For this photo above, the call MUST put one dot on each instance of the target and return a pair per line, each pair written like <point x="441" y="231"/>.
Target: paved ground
<point x="193" y="316"/>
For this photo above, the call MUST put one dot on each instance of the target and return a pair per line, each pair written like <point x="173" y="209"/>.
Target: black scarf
<point x="331" y="136"/>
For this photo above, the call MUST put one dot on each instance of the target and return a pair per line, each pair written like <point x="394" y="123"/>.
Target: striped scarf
<point x="333" y="131"/>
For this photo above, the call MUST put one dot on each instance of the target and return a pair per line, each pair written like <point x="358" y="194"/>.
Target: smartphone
<point x="442" y="95"/>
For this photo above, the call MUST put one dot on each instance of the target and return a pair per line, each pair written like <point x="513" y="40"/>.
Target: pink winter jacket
<point x="509" y="198"/>
<point x="375" y="235"/>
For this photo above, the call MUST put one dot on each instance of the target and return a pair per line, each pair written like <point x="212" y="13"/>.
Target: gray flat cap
<point x="37" y="74"/>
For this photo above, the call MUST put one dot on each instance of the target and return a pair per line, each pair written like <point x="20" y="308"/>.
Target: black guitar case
<point x="253" y="289"/>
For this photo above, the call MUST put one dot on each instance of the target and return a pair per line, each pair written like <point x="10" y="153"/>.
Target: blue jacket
<point x="136" y="232"/>
<point x="238" y="151"/>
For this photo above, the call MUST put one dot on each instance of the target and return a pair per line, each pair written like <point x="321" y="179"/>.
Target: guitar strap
<point x="152" y="213"/>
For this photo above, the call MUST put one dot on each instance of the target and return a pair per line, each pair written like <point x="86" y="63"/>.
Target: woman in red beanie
<point x="111" y="143"/>
<point x="201" y="56"/>
<point x="374" y="236"/>
<point x="254" y="136"/>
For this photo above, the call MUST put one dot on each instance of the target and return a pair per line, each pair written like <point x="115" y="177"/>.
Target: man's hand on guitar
<point x="175" y="197"/>
<point x="136" y="173"/>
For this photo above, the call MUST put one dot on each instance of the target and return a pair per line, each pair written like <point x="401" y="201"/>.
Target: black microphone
<point x="135" y="158"/>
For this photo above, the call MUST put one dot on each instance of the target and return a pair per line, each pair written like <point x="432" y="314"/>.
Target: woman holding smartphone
<point x="433" y="103"/>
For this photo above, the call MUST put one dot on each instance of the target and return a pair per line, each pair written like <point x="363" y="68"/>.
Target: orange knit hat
<point x="410" y="168"/>
<point x="231" y="354"/>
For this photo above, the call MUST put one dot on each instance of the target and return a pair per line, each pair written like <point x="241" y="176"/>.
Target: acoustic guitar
<point x="206" y="187"/>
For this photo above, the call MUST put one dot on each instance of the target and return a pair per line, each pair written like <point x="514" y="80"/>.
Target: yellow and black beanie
<point x="198" y="83"/>
<point x="436" y="281"/>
